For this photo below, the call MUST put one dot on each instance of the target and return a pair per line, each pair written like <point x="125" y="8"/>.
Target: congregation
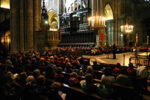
<point x="44" y="76"/>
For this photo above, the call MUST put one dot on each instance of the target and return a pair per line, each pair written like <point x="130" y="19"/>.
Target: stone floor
<point x="122" y="58"/>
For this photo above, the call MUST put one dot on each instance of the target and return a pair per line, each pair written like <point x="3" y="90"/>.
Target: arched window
<point x="108" y="12"/>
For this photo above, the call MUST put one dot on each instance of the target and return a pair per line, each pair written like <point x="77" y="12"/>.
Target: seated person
<point x="73" y="80"/>
<point x="88" y="84"/>
<point x="58" y="75"/>
<point x="123" y="78"/>
<point x="130" y="70"/>
<point x="55" y="92"/>
<point x="142" y="74"/>
<point x="107" y="77"/>
<point x="117" y="69"/>
<point x="96" y="66"/>
<point x="105" y="89"/>
<point x="89" y="70"/>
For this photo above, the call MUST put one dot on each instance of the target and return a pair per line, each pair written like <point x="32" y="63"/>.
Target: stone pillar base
<point x="52" y="45"/>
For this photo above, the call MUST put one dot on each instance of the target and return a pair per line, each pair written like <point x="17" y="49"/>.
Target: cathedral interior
<point x="74" y="49"/>
<point x="22" y="21"/>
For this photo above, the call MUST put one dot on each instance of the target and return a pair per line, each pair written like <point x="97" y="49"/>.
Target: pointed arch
<point x="108" y="12"/>
<point x="53" y="19"/>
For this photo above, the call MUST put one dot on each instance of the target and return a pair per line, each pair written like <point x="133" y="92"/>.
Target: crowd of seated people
<point x="92" y="50"/>
<point x="39" y="76"/>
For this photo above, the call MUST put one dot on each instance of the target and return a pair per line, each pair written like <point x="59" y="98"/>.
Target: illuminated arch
<point x="108" y="12"/>
<point x="53" y="20"/>
<point x="5" y="4"/>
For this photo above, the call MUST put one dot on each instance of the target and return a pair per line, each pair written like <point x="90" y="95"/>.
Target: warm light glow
<point x="2" y="40"/>
<point x="53" y="20"/>
<point x="108" y="12"/>
<point x="121" y="35"/>
<point x="109" y="18"/>
<point x="127" y="28"/>
<point x="53" y="29"/>
<point x="46" y="22"/>
<point x="5" y="4"/>
<point x="6" y="38"/>
<point x="96" y="21"/>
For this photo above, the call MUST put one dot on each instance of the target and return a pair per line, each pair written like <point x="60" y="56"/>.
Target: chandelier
<point x="95" y="22"/>
<point x="127" y="28"/>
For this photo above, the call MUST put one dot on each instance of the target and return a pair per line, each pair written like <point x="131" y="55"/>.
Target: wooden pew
<point x="76" y="93"/>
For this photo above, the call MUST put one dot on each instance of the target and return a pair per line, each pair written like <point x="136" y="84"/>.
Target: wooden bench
<point x="76" y="93"/>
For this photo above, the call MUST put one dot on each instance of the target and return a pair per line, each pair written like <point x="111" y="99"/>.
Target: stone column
<point x="59" y="12"/>
<point x="37" y="14"/>
<point x="80" y="4"/>
<point x="14" y="24"/>
<point x="114" y="31"/>
<point x="77" y="4"/>
<point x="21" y="45"/>
<point x="95" y="7"/>
<point x="91" y="6"/>
<point x="101" y="7"/>
<point x="29" y="25"/>
<point x="37" y="20"/>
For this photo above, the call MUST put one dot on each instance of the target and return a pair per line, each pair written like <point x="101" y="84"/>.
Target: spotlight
<point x="46" y="22"/>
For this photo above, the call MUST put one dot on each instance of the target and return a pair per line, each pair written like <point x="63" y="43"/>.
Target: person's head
<point x="50" y="69"/>
<point x="41" y="79"/>
<point x="118" y="65"/>
<point x="23" y="75"/>
<point x="8" y="61"/>
<point x="89" y="68"/>
<point x="30" y="79"/>
<point x="9" y="75"/>
<point x="56" y="86"/>
<point x="123" y="71"/>
<point x="73" y="74"/>
<point x="15" y="76"/>
<point x="89" y="77"/>
<point x="59" y="70"/>
<point x="108" y="71"/>
<point x="36" y="73"/>
<point x="131" y="65"/>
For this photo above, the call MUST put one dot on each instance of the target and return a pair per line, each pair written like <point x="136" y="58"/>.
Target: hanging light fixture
<point x="96" y="21"/>
<point x="44" y="20"/>
<point x="127" y="28"/>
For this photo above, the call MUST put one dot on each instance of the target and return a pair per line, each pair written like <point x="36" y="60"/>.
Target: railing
<point x="142" y="60"/>
<point x="52" y="35"/>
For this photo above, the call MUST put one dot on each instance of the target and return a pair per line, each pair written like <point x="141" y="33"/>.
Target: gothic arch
<point x="53" y="19"/>
<point x="108" y="12"/>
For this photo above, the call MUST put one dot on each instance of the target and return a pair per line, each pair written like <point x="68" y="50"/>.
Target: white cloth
<point x="142" y="72"/>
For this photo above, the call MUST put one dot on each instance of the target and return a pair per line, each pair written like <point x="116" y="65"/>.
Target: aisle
<point x="122" y="58"/>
